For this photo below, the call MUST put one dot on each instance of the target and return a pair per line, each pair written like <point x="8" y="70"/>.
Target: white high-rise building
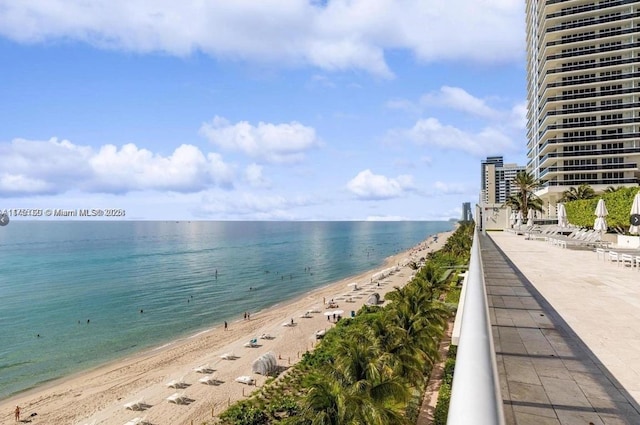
<point x="583" y="68"/>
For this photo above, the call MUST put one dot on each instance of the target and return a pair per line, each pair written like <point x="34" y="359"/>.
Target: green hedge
<point x="444" y="395"/>
<point x="581" y="213"/>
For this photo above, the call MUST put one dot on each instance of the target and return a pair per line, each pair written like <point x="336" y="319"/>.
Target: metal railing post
<point x="475" y="394"/>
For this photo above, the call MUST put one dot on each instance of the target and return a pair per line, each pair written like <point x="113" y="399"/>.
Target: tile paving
<point x="566" y="332"/>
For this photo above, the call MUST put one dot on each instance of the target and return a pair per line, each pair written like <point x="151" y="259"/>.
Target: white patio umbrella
<point x="601" y="213"/>
<point x="562" y="216"/>
<point x="530" y="216"/>
<point x="519" y="219"/>
<point x="635" y="209"/>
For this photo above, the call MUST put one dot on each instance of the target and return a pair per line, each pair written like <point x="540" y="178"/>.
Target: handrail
<point x="475" y="394"/>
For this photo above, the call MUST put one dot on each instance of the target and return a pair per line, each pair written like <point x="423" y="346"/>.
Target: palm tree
<point x="584" y="191"/>
<point x="612" y="189"/>
<point x="524" y="199"/>
<point x="323" y="404"/>
<point x="358" y="387"/>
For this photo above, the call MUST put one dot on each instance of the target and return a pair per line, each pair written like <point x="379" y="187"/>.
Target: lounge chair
<point x="589" y="239"/>
<point x="137" y="405"/>
<point x="252" y="343"/>
<point x="247" y="380"/>
<point x="177" y="383"/>
<point x="543" y="233"/>
<point x="306" y="315"/>
<point x="228" y="356"/>
<point x="178" y="398"/>
<point x="203" y="369"/>
<point x="209" y="380"/>
<point x="266" y="336"/>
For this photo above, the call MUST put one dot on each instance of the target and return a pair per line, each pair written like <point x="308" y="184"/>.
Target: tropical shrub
<point x="444" y="395"/>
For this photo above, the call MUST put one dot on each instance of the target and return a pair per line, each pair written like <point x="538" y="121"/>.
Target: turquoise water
<point x="81" y="286"/>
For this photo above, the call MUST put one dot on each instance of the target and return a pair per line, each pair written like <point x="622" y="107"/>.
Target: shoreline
<point x="97" y="395"/>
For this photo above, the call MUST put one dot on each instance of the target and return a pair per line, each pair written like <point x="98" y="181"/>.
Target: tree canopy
<point x="524" y="198"/>
<point x="584" y="191"/>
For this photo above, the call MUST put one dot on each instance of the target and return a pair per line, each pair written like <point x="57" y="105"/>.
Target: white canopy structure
<point x="374" y="299"/>
<point x="266" y="364"/>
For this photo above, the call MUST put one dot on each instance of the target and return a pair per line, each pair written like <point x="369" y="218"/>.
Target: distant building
<point x="497" y="180"/>
<point x="582" y="94"/>
<point x="466" y="211"/>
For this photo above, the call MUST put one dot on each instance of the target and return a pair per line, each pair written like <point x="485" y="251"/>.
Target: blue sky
<point x="258" y="110"/>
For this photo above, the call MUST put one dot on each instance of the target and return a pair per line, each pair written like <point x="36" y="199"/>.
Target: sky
<point x="258" y="110"/>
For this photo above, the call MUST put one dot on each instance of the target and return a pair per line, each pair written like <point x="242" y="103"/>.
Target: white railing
<point x="475" y="394"/>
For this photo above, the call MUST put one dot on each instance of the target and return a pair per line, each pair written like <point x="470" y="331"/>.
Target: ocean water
<point x="72" y="292"/>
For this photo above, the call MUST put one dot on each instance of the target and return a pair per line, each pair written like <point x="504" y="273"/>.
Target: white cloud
<point x="461" y="100"/>
<point x="131" y="168"/>
<point x="15" y="184"/>
<point x="42" y="167"/>
<point x="333" y="35"/>
<point x="430" y="132"/>
<point x="367" y="185"/>
<point x="451" y="188"/>
<point x="275" y="143"/>
<point x="250" y="206"/>
<point x="519" y="115"/>
<point x="253" y="175"/>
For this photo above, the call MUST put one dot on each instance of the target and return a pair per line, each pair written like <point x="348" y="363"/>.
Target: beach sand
<point x="98" y="396"/>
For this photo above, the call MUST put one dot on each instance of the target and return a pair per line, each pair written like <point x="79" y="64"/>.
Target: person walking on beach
<point x="17" y="412"/>
<point x="225" y="325"/>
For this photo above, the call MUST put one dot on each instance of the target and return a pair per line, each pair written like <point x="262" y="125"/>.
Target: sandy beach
<point x="99" y="396"/>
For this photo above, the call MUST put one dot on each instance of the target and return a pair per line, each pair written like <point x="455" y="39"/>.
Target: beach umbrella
<point x="562" y="216"/>
<point x="601" y="213"/>
<point x="519" y="219"/>
<point x="635" y="209"/>
<point x="328" y="313"/>
<point x="530" y="216"/>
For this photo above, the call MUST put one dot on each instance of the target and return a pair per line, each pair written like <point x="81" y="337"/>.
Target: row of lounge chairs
<point x="210" y="379"/>
<point x="179" y="383"/>
<point x="567" y="237"/>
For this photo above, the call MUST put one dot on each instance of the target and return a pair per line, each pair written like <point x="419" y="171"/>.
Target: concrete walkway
<point x="567" y="333"/>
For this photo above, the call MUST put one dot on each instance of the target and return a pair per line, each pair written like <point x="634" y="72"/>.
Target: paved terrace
<point x="567" y="333"/>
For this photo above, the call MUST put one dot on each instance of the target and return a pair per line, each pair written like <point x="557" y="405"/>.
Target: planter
<point x="628" y="241"/>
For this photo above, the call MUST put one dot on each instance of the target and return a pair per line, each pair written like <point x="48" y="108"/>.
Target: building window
<point x="613" y="175"/>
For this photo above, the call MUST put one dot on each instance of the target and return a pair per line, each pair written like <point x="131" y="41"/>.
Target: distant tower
<point x="497" y="178"/>
<point x="466" y="211"/>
